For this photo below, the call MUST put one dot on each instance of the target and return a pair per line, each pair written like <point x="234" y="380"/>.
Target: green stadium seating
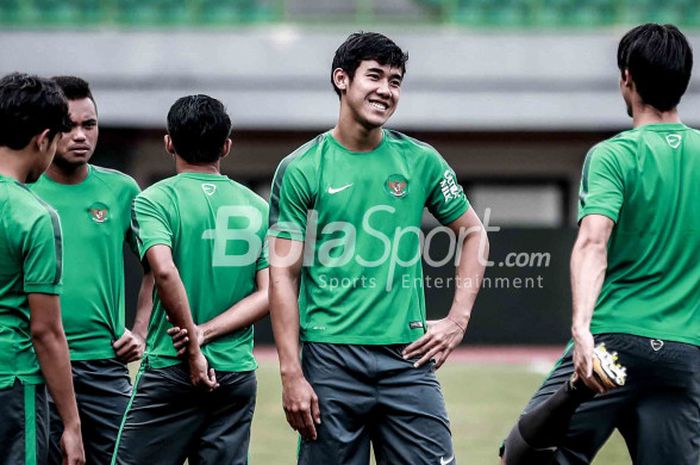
<point x="524" y="14"/>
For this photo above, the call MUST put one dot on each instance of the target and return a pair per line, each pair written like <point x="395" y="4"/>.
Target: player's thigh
<point x="666" y="422"/>
<point x="24" y="424"/>
<point x="102" y="389"/>
<point x="411" y="422"/>
<point x="339" y="376"/>
<point x="225" y="436"/>
<point x="161" y="420"/>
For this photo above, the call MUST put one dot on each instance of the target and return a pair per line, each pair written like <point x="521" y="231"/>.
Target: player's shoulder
<point x="115" y="179"/>
<point x="306" y="156"/>
<point x="619" y="146"/>
<point x="20" y="205"/>
<point x="248" y="195"/>
<point x="410" y="145"/>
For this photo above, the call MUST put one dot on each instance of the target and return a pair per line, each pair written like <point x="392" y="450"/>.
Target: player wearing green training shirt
<point x="33" y="113"/>
<point x="345" y="217"/>
<point x="94" y="205"/>
<point x="203" y="235"/>
<point x="635" y="273"/>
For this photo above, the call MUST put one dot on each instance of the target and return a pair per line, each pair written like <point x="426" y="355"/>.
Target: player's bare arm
<point x="298" y="397"/>
<point x="588" y="265"/>
<point x="52" y="351"/>
<point x="244" y="313"/>
<point x="172" y="293"/>
<point x="131" y="345"/>
<point x="445" y="334"/>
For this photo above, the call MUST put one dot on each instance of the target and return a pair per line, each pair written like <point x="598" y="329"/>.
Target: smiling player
<point x="367" y="370"/>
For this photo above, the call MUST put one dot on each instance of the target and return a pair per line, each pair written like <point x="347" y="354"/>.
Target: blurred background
<point x="513" y="93"/>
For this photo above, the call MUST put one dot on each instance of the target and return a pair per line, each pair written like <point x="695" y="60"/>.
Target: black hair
<point x="660" y="61"/>
<point x="75" y="88"/>
<point x="362" y="46"/>
<point x="28" y="106"/>
<point x="198" y="126"/>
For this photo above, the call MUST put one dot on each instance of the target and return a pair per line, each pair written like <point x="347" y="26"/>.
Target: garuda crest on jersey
<point x="396" y="185"/>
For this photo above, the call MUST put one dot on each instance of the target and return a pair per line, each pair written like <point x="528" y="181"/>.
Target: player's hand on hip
<point x="437" y="343"/>
<point x="129" y="347"/>
<point x="200" y="374"/>
<point x="583" y="360"/>
<point x="181" y="338"/>
<point x="72" y="447"/>
<point x="300" y="404"/>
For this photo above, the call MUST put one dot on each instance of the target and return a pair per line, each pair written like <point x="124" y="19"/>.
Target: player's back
<point x="215" y="228"/>
<point x="651" y="284"/>
<point x="30" y="261"/>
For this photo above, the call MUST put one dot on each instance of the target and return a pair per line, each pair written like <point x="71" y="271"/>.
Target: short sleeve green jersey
<point x="96" y="216"/>
<point x="647" y="180"/>
<point x="360" y="216"/>
<point x="216" y="229"/>
<point x="30" y="262"/>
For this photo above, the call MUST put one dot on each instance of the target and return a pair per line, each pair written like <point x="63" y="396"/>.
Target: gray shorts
<point x="24" y="424"/>
<point x="370" y="394"/>
<point x="657" y="411"/>
<point x="169" y="420"/>
<point x="102" y="391"/>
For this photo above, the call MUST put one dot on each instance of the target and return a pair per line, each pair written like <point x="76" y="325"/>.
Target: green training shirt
<point x="30" y="262"/>
<point x="647" y="180"/>
<point x="360" y="214"/>
<point x="216" y="229"/>
<point x="96" y="216"/>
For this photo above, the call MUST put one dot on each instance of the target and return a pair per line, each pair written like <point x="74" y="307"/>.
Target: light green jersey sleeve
<point x="131" y="191"/>
<point x="150" y="224"/>
<point x="446" y="199"/>
<point x="42" y="250"/>
<point x="264" y="258"/>
<point x="602" y="184"/>
<point x="290" y="200"/>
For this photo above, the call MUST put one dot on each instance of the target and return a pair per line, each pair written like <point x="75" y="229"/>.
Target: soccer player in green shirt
<point x="203" y="236"/>
<point x="634" y="276"/>
<point x="94" y="205"/>
<point x="346" y="275"/>
<point x="33" y="348"/>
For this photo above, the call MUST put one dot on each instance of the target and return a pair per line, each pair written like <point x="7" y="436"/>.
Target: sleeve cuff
<point x="613" y="215"/>
<point x="41" y="288"/>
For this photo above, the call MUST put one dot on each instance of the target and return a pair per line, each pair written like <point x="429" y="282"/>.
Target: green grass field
<point x="483" y="402"/>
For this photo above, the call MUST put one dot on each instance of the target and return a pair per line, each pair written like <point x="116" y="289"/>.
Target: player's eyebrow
<point x="381" y="71"/>
<point x="89" y="121"/>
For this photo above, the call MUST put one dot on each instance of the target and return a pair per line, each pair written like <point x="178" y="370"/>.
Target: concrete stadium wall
<point x="278" y="77"/>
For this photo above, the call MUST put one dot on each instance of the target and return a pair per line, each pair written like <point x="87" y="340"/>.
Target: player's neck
<point x="645" y="114"/>
<point x="182" y="166"/>
<point x="355" y="137"/>
<point x="68" y="174"/>
<point x="13" y="164"/>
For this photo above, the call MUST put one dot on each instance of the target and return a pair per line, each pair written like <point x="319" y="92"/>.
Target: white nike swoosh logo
<point x="335" y="190"/>
<point x="445" y="462"/>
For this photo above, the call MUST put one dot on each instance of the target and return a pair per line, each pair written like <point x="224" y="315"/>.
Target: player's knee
<point x="516" y="451"/>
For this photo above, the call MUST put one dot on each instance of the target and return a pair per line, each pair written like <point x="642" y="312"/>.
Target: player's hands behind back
<point x="300" y="404"/>
<point x="181" y="338"/>
<point x="200" y="373"/>
<point x="437" y="343"/>
<point x="72" y="447"/>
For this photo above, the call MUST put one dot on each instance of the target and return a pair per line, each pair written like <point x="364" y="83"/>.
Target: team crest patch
<point x="209" y="189"/>
<point x="674" y="140"/>
<point x="99" y="213"/>
<point x="396" y="185"/>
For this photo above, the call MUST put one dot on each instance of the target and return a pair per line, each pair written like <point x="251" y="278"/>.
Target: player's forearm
<point x="144" y="306"/>
<point x="284" y="314"/>
<point x="52" y="352"/>
<point x="172" y="294"/>
<point x="588" y="265"/>
<point x="243" y="314"/>
<point x="469" y="274"/>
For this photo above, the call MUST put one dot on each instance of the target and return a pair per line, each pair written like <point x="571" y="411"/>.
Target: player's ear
<point x="43" y="140"/>
<point x="226" y="149"/>
<point x="341" y="79"/>
<point x="169" y="144"/>
<point x="626" y="79"/>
